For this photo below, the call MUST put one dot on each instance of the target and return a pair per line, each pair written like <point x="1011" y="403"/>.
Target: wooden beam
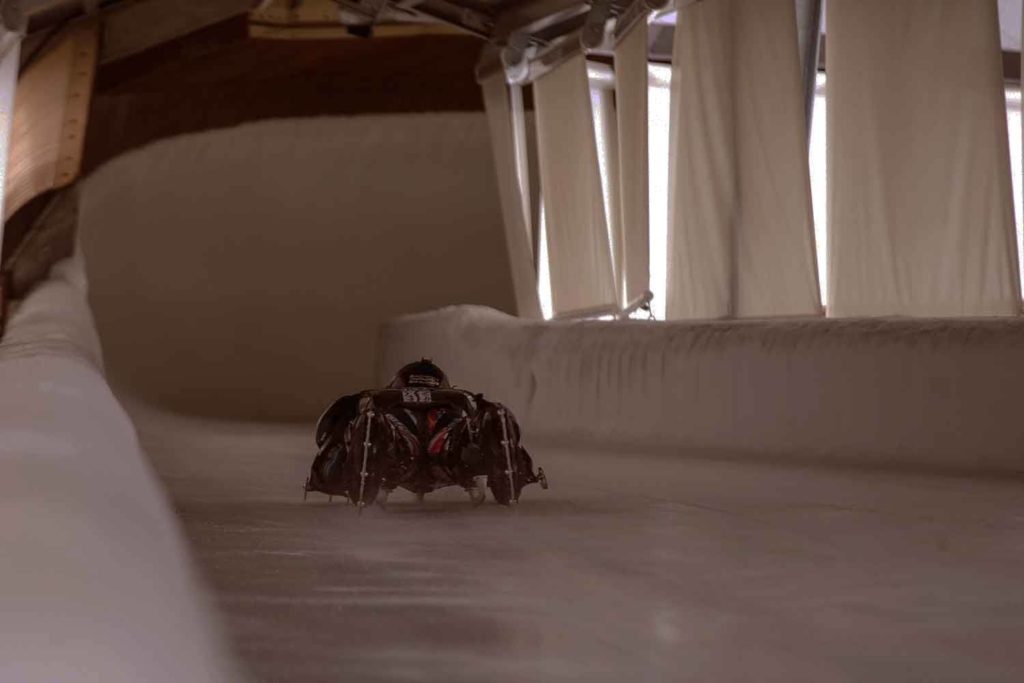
<point x="218" y="77"/>
<point x="51" y="109"/>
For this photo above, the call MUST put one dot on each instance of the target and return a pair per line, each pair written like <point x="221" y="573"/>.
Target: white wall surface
<point x="243" y="272"/>
<point x="888" y="392"/>
<point x="95" y="583"/>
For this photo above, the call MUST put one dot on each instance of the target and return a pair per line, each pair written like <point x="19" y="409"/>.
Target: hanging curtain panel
<point x="631" y="105"/>
<point x="513" y="205"/>
<point x="606" y="132"/>
<point x="741" y="238"/>
<point x="10" y="54"/>
<point x="920" y="199"/>
<point x="577" y="232"/>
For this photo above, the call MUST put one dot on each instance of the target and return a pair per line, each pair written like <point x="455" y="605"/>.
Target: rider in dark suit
<point x="419" y="434"/>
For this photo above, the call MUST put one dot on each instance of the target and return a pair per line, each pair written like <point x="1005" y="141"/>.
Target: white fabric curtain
<point x="740" y="224"/>
<point x="582" y="279"/>
<point x="631" y="102"/>
<point x="10" y="53"/>
<point x="513" y="205"/>
<point x="920" y="199"/>
<point x="606" y="132"/>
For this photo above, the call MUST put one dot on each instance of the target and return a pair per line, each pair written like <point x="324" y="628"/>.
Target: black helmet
<point x="422" y="373"/>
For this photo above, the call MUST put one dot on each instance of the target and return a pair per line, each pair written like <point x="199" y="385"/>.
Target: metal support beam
<point x="638" y="10"/>
<point x="526" y="59"/>
<point x="444" y="11"/>
<point x="549" y="58"/>
<point x="595" y="28"/>
<point x="532" y="50"/>
<point x="369" y="11"/>
<point x="535" y="17"/>
<point x="456" y="15"/>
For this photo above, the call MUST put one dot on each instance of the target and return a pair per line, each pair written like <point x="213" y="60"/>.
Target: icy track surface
<point x="635" y="568"/>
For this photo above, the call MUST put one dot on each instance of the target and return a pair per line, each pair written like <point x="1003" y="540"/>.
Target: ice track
<point x="632" y="567"/>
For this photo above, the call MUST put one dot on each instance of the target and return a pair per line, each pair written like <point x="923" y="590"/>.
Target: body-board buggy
<point x="419" y="434"/>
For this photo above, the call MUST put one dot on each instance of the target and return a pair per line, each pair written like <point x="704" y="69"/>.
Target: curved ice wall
<point x="95" y="580"/>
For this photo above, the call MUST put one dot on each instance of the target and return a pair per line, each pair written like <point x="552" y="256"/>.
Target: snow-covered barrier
<point x="898" y="392"/>
<point x="95" y="580"/>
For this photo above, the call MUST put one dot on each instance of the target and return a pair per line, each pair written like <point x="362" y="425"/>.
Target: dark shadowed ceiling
<point x="136" y="25"/>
